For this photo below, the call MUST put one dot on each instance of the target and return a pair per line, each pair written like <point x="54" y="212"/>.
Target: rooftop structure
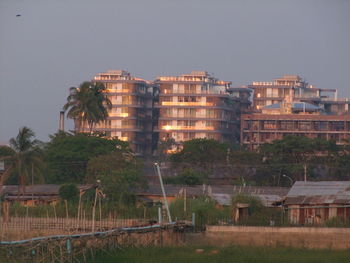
<point x="294" y="89"/>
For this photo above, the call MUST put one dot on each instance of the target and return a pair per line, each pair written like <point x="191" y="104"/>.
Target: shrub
<point x="69" y="192"/>
<point x="337" y="222"/>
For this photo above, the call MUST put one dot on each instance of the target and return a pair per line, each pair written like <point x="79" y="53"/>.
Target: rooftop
<point x="324" y="192"/>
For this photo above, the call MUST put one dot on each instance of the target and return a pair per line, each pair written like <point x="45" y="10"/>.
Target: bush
<point x="188" y="176"/>
<point x="69" y="192"/>
<point x="337" y="222"/>
<point x="205" y="209"/>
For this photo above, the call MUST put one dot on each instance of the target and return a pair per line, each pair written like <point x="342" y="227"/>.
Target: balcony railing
<point x="177" y="103"/>
<point x="174" y="128"/>
<point x="119" y="90"/>
<point x="190" y="116"/>
<point x="124" y="115"/>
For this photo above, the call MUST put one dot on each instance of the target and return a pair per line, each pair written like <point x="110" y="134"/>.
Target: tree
<point x="67" y="155"/>
<point x="163" y="149"/>
<point x="201" y="152"/>
<point x="26" y="155"/>
<point x="188" y="176"/>
<point x="87" y="104"/>
<point x="69" y="192"/>
<point x="293" y="154"/>
<point x="119" y="174"/>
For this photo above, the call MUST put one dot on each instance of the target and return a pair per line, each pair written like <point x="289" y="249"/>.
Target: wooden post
<point x="79" y="204"/>
<point x="66" y="203"/>
<point x="93" y="211"/>
<point x="185" y="199"/>
<point x="99" y="204"/>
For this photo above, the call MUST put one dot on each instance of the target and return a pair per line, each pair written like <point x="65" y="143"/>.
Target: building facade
<point x="130" y="118"/>
<point x="196" y="105"/>
<point x="257" y="129"/>
<point x="290" y="106"/>
<point x="295" y="89"/>
<point x="317" y="202"/>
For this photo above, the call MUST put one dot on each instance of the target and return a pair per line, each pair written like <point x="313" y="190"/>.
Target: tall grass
<point x="230" y="254"/>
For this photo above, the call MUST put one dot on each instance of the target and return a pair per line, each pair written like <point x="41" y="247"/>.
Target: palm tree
<point x="27" y="155"/>
<point x="87" y="104"/>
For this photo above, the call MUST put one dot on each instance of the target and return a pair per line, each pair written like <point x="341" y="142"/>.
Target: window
<point x="269" y="125"/>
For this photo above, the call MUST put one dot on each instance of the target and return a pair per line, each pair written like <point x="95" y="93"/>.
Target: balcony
<point x="118" y="91"/>
<point x="177" y="103"/>
<point x="187" y="128"/>
<point x="123" y="115"/>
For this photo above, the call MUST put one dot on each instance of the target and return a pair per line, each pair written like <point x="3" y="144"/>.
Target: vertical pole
<point x="32" y="183"/>
<point x="194" y="221"/>
<point x="99" y="204"/>
<point x="79" y="208"/>
<point x="163" y="190"/>
<point x="185" y="200"/>
<point x="305" y="170"/>
<point x="160" y="219"/>
<point x="93" y="211"/>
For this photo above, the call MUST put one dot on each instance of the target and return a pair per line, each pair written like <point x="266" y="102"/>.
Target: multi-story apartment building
<point x="290" y="107"/>
<point x="130" y="118"/>
<point x="196" y="105"/>
<point x="294" y="88"/>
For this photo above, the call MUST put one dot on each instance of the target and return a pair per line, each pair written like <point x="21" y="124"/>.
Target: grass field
<point x="231" y="254"/>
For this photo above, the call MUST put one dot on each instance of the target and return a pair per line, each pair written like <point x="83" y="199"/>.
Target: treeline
<point x="85" y="158"/>
<point x="72" y="158"/>
<point x="279" y="163"/>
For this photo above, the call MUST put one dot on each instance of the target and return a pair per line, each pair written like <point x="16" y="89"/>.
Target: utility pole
<point x="305" y="170"/>
<point x="163" y="191"/>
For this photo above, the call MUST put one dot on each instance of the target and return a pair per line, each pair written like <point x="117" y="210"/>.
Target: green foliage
<point x="289" y="155"/>
<point x="67" y="155"/>
<point x="201" y="152"/>
<point x="230" y="254"/>
<point x="69" y="192"/>
<point x="188" y="176"/>
<point x="258" y="214"/>
<point x="163" y="147"/>
<point x="88" y="103"/>
<point x="119" y="173"/>
<point x="6" y="151"/>
<point x="255" y="204"/>
<point x="25" y="156"/>
<point x="337" y="222"/>
<point x="204" y="207"/>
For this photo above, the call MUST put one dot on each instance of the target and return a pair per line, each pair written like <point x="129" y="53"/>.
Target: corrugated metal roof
<point x="221" y="193"/>
<point x="39" y="189"/>
<point x="325" y="192"/>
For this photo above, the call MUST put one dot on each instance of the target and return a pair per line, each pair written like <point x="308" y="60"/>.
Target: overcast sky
<point x="57" y="44"/>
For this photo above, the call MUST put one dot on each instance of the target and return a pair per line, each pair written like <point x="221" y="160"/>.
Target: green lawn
<point x="231" y="254"/>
